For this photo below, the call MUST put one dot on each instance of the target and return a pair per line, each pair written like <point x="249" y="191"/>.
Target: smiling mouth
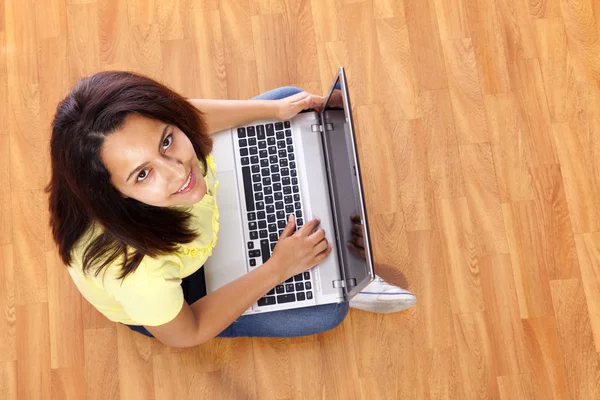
<point x="187" y="185"/>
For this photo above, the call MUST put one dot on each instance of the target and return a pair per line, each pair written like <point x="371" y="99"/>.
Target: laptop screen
<point x="345" y="184"/>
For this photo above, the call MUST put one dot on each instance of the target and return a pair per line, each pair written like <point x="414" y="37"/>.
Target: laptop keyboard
<point x="271" y="190"/>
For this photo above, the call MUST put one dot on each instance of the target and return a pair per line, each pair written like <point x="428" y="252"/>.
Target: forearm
<point x="217" y="310"/>
<point x="223" y="114"/>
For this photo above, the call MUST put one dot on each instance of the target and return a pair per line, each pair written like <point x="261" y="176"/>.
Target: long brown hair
<point x="81" y="193"/>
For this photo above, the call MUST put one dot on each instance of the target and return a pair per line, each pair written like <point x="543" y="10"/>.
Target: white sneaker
<point x="380" y="297"/>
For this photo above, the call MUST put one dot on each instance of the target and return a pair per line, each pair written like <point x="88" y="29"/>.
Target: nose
<point x="174" y="170"/>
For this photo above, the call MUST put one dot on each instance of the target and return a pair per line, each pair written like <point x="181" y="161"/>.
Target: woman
<point x="134" y="213"/>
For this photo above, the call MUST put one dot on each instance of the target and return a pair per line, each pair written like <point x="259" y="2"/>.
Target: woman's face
<point x="153" y="162"/>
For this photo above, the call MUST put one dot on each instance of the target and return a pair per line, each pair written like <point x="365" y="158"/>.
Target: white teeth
<point x="185" y="185"/>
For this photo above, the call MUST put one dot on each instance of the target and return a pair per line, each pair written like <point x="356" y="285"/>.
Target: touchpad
<point x="227" y="198"/>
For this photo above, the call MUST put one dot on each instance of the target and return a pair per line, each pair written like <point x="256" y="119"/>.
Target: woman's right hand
<point x="298" y="251"/>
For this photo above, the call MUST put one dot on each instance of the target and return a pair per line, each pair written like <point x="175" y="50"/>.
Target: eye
<point x="168" y="141"/>
<point x="143" y="175"/>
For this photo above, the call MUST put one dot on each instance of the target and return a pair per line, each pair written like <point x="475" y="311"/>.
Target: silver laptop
<point x="307" y="166"/>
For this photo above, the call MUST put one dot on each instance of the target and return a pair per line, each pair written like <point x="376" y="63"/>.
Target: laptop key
<point x="263" y="154"/>
<point x="290" y="149"/>
<point x="287" y="190"/>
<point x="253" y="262"/>
<point x="286" y="298"/>
<point x="287" y="199"/>
<point x="278" y="196"/>
<point x="258" y="196"/>
<point x="253" y="151"/>
<point x="289" y="287"/>
<point x="262" y="224"/>
<point x="307" y="285"/>
<point x="248" y="189"/>
<point x="241" y="132"/>
<point x="257" y="187"/>
<point x="270" y="217"/>
<point x="271" y="292"/>
<point x="266" y="301"/>
<point x="270" y="129"/>
<point x="280" y="135"/>
<point x="252" y="225"/>
<point x="260" y="205"/>
<point x="280" y="215"/>
<point x="273" y="237"/>
<point x="308" y="295"/>
<point x="266" y="181"/>
<point x="251" y="216"/>
<point x="250" y="245"/>
<point x="290" y="280"/>
<point x="287" y="124"/>
<point x="265" y="172"/>
<point x="279" y="205"/>
<point x="298" y="277"/>
<point x="253" y="235"/>
<point x="254" y="159"/>
<point x="300" y="222"/>
<point x="288" y="140"/>
<point x="243" y="142"/>
<point x="260" y="215"/>
<point x="251" y="131"/>
<point x="306" y="276"/>
<point x="273" y="228"/>
<point x="273" y="246"/>
<point x="255" y="169"/>
<point x="260" y="134"/>
<point x="268" y="199"/>
<point x="281" y="145"/>
<point x="278" y="126"/>
<point x="277" y="187"/>
<point x="300" y="296"/>
<point x="243" y="152"/>
<point x="262" y="144"/>
<point x="288" y="133"/>
<point x="299" y="286"/>
<point x="270" y="208"/>
<point x="264" y="250"/>
<point x="279" y="289"/>
<point x="294" y="181"/>
<point x="298" y="213"/>
<point x="264" y="162"/>
<point x="297" y="205"/>
<point x="271" y="141"/>
<point x="281" y="224"/>
<point x="263" y="234"/>
<point x="245" y="161"/>
<point x="281" y="153"/>
<point x="251" y="141"/>
<point x="254" y="253"/>
<point x="291" y="156"/>
<point x="285" y="180"/>
<point x="293" y="172"/>
<point x="285" y="172"/>
<point x="268" y="190"/>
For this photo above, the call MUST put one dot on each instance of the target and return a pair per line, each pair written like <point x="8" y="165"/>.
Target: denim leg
<point x="288" y="323"/>
<point x="279" y="93"/>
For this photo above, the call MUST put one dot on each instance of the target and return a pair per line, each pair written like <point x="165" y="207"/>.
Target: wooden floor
<point x="479" y="132"/>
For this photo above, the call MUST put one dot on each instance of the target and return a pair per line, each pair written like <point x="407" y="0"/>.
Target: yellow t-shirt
<point x="152" y="294"/>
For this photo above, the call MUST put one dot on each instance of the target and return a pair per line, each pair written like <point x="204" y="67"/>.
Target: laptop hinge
<point x="319" y="127"/>
<point x="341" y="283"/>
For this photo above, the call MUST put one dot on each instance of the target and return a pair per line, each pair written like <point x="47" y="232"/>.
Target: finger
<point x="299" y="98"/>
<point x="317" y="236"/>
<point x="357" y="230"/>
<point x="321" y="246"/>
<point x="355" y="217"/>
<point x="289" y="228"/>
<point x="309" y="226"/>
<point x="355" y="250"/>
<point x="358" y="241"/>
<point x="323" y="255"/>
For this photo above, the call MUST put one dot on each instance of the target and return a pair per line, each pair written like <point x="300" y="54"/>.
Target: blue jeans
<point x="288" y="323"/>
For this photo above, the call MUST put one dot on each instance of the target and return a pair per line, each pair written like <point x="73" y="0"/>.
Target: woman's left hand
<point x="292" y="105"/>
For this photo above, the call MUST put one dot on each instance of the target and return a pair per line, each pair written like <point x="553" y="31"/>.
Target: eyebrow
<point x="139" y="168"/>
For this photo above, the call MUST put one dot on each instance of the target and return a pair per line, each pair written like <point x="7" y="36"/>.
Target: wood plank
<point x="481" y="190"/>
<point x="336" y="348"/>
<point x="170" y="19"/>
<point x="236" y="27"/>
<point x="465" y="92"/>
<point x="576" y="339"/>
<point x="51" y="19"/>
<point x="101" y="357"/>
<point x="364" y="61"/>
<point x="68" y="383"/>
<point x="460" y="252"/>
<point x="409" y="146"/>
<point x="401" y="90"/>
<point x="588" y="249"/>
<point x="21" y="33"/>
<point x="113" y="35"/>
<point x="4" y="99"/>
<point x="379" y="177"/>
<point x="181" y="72"/>
<point x="544" y="8"/>
<point x="300" y="45"/>
<point x="7" y="306"/>
<point x="556" y="66"/>
<point x="490" y="49"/>
<point x="516" y="387"/>
<point x="26" y="138"/>
<point x="329" y="26"/>
<point x="531" y="98"/>
<point x="33" y="351"/>
<point x="272" y="370"/>
<point x="146" y="50"/>
<point x="6" y="230"/>
<point x="390" y="248"/>
<point x="65" y="319"/>
<point x="502" y="315"/>
<point x="425" y="44"/>
<point x="269" y="47"/>
<point x="236" y="366"/>
<point x="209" y="59"/>
<point x="452" y="19"/>
<point x="8" y="380"/>
<point x="581" y="22"/>
<point x="242" y="80"/>
<point x="434" y="328"/>
<point x="29" y="262"/>
<point x="525" y="241"/>
<point x="84" y="49"/>
<point x="136" y="379"/>
<point x="581" y="186"/>
<point x="506" y="139"/>
<point x="518" y="30"/>
<point x="559" y="253"/>
<point x="141" y="12"/>
<point x="476" y="356"/>
<point x="443" y="160"/>
<point x="332" y="55"/>
<point x="443" y="374"/>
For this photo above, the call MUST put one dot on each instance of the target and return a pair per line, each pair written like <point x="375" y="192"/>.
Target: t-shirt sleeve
<point x="153" y="300"/>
